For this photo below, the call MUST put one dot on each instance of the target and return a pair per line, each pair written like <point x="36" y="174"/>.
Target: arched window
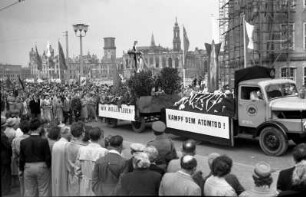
<point x="164" y="62"/>
<point x="176" y="62"/>
<point x="151" y="60"/>
<point x="170" y="62"/>
<point x="157" y="62"/>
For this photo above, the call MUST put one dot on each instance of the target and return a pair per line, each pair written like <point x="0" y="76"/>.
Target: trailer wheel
<point x="139" y="125"/>
<point x="272" y="141"/>
<point x="111" y="122"/>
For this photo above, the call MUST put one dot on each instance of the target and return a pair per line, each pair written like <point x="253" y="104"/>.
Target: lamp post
<point x="80" y="31"/>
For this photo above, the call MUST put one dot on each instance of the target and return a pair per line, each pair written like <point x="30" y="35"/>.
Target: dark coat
<point x="284" y="181"/>
<point x="140" y="182"/>
<point x="6" y="150"/>
<point x="35" y="106"/>
<point x="106" y="173"/>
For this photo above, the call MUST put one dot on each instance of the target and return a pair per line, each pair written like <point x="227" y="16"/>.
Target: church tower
<point x="109" y="49"/>
<point x="152" y="41"/>
<point x="176" y="37"/>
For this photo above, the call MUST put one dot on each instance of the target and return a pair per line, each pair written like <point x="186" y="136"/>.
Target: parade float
<point x="262" y="108"/>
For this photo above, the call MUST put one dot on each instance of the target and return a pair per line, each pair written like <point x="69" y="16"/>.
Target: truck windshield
<point x="281" y="90"/>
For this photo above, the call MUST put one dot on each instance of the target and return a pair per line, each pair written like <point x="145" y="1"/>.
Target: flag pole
<point x="244" y="42"/>
<point x="184" y="74"/>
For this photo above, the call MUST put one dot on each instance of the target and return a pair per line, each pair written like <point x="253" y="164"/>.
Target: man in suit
<point x="35" y="107"/>
<point x="108" y="169"/>
<point x="180" y="183"/>
<point x="284" y="182"/>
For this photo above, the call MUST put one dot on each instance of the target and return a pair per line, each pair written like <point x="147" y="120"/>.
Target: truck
<point x="265" y="108"/>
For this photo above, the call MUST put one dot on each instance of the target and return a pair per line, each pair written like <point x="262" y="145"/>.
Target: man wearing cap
<point x="6" y="154"/>
<point x="108" y="169"/>
<point x="135" y="148"/>
<point x="163" y="144"/>
<point x="142" y="181"/>
<point x="180" y="183"/>
<point x="262" y="181"/>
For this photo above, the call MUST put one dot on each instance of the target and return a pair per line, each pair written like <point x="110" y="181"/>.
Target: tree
<point x="141" y="83"/>
<point x="170" y="80"/>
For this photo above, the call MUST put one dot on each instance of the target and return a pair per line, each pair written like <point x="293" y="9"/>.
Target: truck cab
<point x="271" y="110"/>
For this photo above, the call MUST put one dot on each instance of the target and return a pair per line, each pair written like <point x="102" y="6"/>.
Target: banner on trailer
<point x="125" y="112"/>
<point x="207" y="124"/>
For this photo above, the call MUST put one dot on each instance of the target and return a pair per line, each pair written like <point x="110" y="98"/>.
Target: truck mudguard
<point x="273" y="123"/>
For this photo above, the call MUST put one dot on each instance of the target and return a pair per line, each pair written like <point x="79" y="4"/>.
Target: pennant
<point x="250" y="31"/>
<point x="186" y="44"/>
<point x="62" y="60"/>
<point x="38" y="60"/>
<point x="21" y="82"/>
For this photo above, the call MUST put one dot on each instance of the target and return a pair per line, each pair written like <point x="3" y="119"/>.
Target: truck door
<point x="251" y="106"/>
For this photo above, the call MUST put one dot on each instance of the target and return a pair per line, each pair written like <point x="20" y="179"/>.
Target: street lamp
<point x="80" y="31"/>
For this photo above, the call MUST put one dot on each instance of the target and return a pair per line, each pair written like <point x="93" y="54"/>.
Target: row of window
<point x="291" y="74"/>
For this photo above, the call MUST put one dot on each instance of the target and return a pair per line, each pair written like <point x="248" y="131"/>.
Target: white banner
<point x="126" y="112"/>
<point x="207" y="124"/>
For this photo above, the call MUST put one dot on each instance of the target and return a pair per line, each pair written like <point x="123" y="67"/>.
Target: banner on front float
<point x="207" y="124"/>
<point x="125" y="112"/>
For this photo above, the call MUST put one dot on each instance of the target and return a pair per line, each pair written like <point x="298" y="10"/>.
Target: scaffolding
<point x="273" y="34"/>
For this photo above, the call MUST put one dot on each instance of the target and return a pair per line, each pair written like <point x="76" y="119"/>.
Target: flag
<point x="250" y="31"/>
<point x="186" y="44"/>
<point x="38" y="60"/>
<point x="62" y="62"/>
<point x="21" y="82"/>
<point x="48" y="54"/>
<point x="9" y="84"/>
<point x="213" y="68"/>
<point x="83" y="81"/>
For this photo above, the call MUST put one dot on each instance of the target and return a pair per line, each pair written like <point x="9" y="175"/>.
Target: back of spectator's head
<point x="189" y="147"/>
<point x="107" y="139"/>
<point x="116" y="141"/>
<point x="188" y="162"/>
<point x="77" y="129"/>
<point x="136" y="147"/>
<point x="158" y="127"/>
<point x="221" y="166"/>
<point x="95" y="134"/>
<point x="34" y="124"/>
<point x="211" y="158"/>
<point x="65" y="131"/>
<point x="25" y="126"/>
<point x="141" y="160"/>
<point x="54" y="133"/>
<point x="299" y="152"/>
<point x="152" y="153"/>
<point x="262" y="174"/>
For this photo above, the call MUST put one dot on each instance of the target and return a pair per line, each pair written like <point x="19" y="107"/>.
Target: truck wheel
<point x="139" y="126"/>
<point x="272" y="141"/>
<point x="111" y="122"/>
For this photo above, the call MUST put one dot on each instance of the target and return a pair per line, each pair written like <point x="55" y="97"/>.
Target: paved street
<point x="245" y="154"/>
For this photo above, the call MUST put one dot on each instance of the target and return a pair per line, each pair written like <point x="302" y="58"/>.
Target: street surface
<point x="245" y="154"/>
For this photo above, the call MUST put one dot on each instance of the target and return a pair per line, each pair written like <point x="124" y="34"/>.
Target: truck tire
<point x="272" y="141"/>
<point x="111" y="122"/>
<point x="139" y="125"/>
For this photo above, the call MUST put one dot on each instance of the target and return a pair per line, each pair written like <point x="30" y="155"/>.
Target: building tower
<point x="152" y="41"/>
<point x="176" y="37"/>
<point x="109" y="49"/>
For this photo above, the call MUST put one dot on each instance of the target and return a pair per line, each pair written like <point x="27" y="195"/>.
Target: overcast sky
<point x="35" y="22"/>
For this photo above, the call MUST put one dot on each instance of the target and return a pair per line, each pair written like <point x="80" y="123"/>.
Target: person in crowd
<point x="35" y="107"/>
<point x="180" y="183"/>
<point x="67" y="110"/>
<point x="11" y="100"/>
<point x="216" y="185"/>
<point x="230" y="178"/>
<point x="142" y="181"/>
<point x="18" y="106"/>
<point x="86" y="137"/>
<point x="59" y="110"/>
<point x="92" y="107"/>
<point x="25" y="127"/>
<point x="290" y="180"/>
<point x="84" y="112"/>
<point x="72" y="148"/>
<point x="10" y="131"/>
<point x="164" y="145"/>
<point x="6" y="154"/>
<point x="54" y="134"/>
<point x="86" y="159"/>
<point x="35" y="162"/>
<point x="135" y="148"/>
<point x="262" y="180"/>
<point x="25" y="107"/>
<point x="47" y="108"/>
<point x="59" y="172"/>
<point x="153" y="154"/>
<point x="188" y="148"/>
<point x="108" y="169"/>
